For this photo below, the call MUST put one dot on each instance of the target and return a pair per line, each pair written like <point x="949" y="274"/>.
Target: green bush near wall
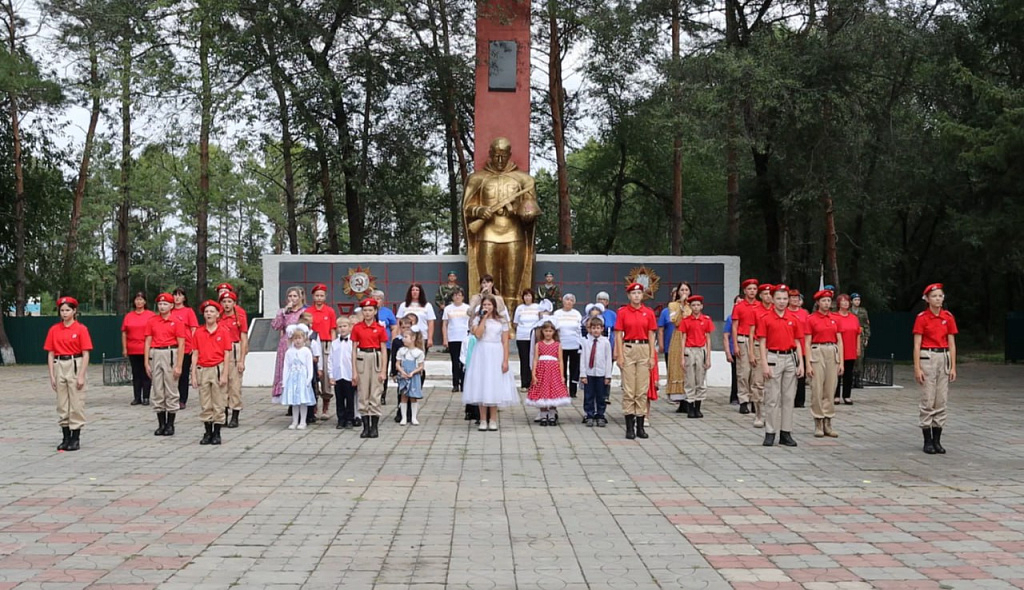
<point x="28" y="334"/>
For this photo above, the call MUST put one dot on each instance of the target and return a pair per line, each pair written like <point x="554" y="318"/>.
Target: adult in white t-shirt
<point x="568" y="322"/>
<point x="416" y="303"/>
<point x="526" y="318"/>
<point x="455" y="330"/>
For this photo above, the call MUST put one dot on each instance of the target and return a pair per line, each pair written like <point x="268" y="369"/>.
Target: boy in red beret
<point x="67" y="349"/>
<point x="165" y="353"/>
<point x="210" y="371"/>
<point x="635" y="353"/>
<point x="934" y="364"/>
<point x="369" y="366"/>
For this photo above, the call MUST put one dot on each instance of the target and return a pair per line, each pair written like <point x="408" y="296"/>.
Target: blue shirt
<point x="664" y="322"/>
<point x="387" y="318"/>
<point x="727" y="330"/>
<point x="609" y="325"/>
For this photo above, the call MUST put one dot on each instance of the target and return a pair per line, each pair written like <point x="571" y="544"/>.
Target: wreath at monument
<point x="646" y="277"/>
<point x="359" y="281"/>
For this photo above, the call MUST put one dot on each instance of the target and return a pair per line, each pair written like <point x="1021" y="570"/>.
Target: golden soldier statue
<point x="500" y="207"/>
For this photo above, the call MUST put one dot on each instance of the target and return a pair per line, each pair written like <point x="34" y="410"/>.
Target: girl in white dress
<point x="297" y="391"/>
<point x="489" y="382"/>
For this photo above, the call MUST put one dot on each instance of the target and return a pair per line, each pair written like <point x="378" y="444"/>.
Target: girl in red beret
<point x="67" y="345"/>
<point x="934" y="364"/>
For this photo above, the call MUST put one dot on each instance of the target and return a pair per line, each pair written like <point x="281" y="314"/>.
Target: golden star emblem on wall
<point x="646" y="277"/>
<point x="359" y="281"/>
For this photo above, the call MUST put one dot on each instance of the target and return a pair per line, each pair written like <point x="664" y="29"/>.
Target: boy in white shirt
<point x="339" y="371"/>
<point x="455" y="330"/>
<point x="596" y="373"/>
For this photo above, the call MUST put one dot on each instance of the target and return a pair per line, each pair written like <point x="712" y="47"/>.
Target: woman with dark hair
<point x="678" y="310"/>
<point x="133" y="346"/>
<point x="849" y="327"/>
<point x="526" y="318"/>
<point x="295" y="304"/>
<point x="186" y="315"/>
<point x="416" y="303"/>
<point x="67" y="349"/>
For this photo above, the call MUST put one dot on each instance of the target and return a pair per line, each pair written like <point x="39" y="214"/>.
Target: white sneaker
<point x="302" y="426"/>
<point x="292" y="426"/>
<point x="758" y="423"/>
<point x="403" y="422"/>
<point x="492" y="425"/>
<point x="483" y="426"/>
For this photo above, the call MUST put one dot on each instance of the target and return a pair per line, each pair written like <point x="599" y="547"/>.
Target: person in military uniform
<point x="445" y="291"/>
<point x="865" y="335"/>
<point x="549" y="291"/>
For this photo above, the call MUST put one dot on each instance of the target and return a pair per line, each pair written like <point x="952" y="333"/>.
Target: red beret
<point x="368" y="302"/>
<point x="823" y="293"/>
<point x="931" y="288"/>
<point x="210" y="302"/>
<point x="634" y="286"/>
<point x="744" y="284"/>
<point x="694" y="298"/>
<point x="765" y="287"/>
<point x="227" y="286"/>
<point x="794" y="292"/>
<point x="167" y="297"/>
<point x="780" y="287"/>
<point x="228" y="295"/>
<point x="319" y="287"/>
<point x="68" y="300"/>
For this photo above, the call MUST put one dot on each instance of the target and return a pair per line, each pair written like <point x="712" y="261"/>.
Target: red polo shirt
<point x="372" y="336"/>
<point x="823" y="328"/>
<point x="212" y="345"/>
<point x="164" y="333"/>
<point x="744" y="317"/>
<point x="324" y="320"/>
<point x="849" y="327"/>
<point x="64" y="340"/>
<point x="187" y="316"/>
<point x="635" y="323"/>
<point x="235" y="324"/>
<point x="697" y="330"/>
<point x="935" y="328"/>
<point x="780" y="332"/>
<point x="134" y="328"/>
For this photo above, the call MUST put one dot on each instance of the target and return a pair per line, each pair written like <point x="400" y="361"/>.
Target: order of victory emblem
<point x="359" y="281"/>
<point x="646" y="277"/>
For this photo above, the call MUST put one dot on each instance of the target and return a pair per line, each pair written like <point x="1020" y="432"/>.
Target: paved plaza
<point x="701" y="504"/>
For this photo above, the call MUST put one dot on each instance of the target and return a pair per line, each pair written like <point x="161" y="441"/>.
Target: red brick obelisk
<point x="502" y="105"/>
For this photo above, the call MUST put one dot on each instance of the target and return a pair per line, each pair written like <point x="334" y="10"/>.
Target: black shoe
<point x="769" y="439"/>
<point x="234" y="419"/>
<point x="585" y="419"/>
<point x="310" y="414"/>
<point x="63" y="446"/>
<point x="374" y="422"/>
<point x="455" y="389"/>
<point x="630" y="426"/>
<point x="366" y="429"/>
<point x="73" y="444"/>
<point x="145" y="401"/>
<point x="601" y="422"/>
<point x="341" y="425"/>
<point x="847" y="401"/>
<point x="937" y="440"/>
<point x="684" y="408"/>
<point x="929" y="442"/>
<point x="136" y="402"/>
<point x="543" y="421"/>
<point x="169" y="430"/>
<point x="553" y="420"/>
<point x="589" y="422"/>
<point x="161" y="417"/>
<point x="607" y="400"/>
<point x="208" y="434"/>
<point x="289" y="412"/>
<point x="216" y="435"/>
<point x="745" y="408"/>
<point x="572" y="394"/>
<point x="698" y="412"/>
<point x="691" y="410"/>
<point x="398" y="414"/>
<point x="786" y="439"/>
<point x="640" y="432"/>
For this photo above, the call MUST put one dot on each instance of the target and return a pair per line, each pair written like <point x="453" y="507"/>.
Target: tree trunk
<point x="452" y="144"/>
<point x="121" y="277"/>
<point x="284" y="116"/>
<point x="831" y="256"/>
<point x="20" y="278"/>
<point x="205" y="123"/>
<point x="677" y="151"/>
<point x="325" y="184"/>
<point x="6" y="350"/>
<point x="556" y="98"/>
<point x="619" y="197"/>
<point x="71" y="247"/>
<point x="770" y="212"/>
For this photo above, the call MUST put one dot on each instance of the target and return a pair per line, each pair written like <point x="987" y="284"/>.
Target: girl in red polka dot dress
<point x="548" y="390"/>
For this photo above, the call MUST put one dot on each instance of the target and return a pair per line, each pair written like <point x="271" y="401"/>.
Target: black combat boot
<point x="929" y="442"/>
<point x="786" y="439"/>
<point x="769" y="439"/>
<point x="374" y="422"/>
<point x="699" y="413"/>
<point x="630" y="426"/>
<point x="745" y="408"/>
<point x="683" y="408"/>
<point x="63" y="446"/>
<point x="640" y="432"/>
<point x="169" y="430"/>
<point x="234" y="419"/>
<point x="215" y="439"/>
<point x="161" y="417"/>
<point x="366" y="427"/>
<point x="73" y="444"/>
<point x="208" y="434"/>
<point x="937" y="440"/>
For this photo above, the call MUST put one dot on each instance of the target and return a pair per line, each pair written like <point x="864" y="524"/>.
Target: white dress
<point x="484" y="383"/>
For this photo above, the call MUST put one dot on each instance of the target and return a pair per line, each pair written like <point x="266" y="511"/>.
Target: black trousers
<point x="571" y="368"/>
<point x="186" y="371"/>
<point x="845" y="384"/>
<point x="525" y="372"/>
<point x="458" y="370"/>
<point x="801" y="393"/>
<point x="734" y="396"/>
<point x="141" y="383"/>
<point x="345" y="395"/>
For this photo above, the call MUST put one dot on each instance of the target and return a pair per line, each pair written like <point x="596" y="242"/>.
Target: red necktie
<point x="593" y="353"/>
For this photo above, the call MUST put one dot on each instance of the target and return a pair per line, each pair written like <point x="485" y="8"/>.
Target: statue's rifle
<point x="476" y="224"/>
